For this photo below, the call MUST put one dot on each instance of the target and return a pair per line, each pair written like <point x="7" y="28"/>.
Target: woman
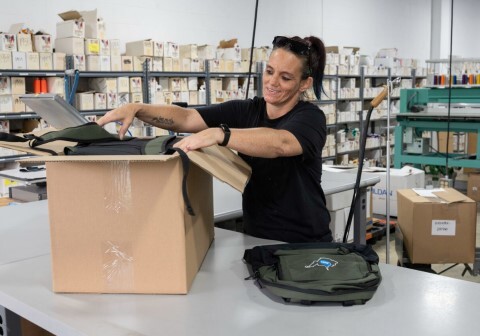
<point x="279" y="135"/>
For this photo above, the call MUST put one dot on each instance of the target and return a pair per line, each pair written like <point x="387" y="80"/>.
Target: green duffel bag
<point x="92" y="139"/>
<point x="316" y="272"/>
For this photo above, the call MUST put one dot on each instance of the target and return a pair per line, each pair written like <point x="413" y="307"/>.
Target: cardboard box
<point x="42" y="43"/>
<point x="115" y="47"/>
<point x="188" y="51"/>
<point x="103" y="84"/>
<point x="5" y="60"/>
<point x="17" y="105"/>
<point x="123" y="84"/>
<point x="136" y="97"/>
<point x="206" y="51"/>
<point x="131" y="235"/>
<point x="135" y="84"/>
<point x="404" y="178"/>
<point x="167" y="64"/>
<point x="92" y="46"/>
<point x="19" y="60"/>
<point x="127" y="63"/>
<point x="5" y="86"/>
<point x="6" y="103"/>
<point x="84" y="101"/>
<point x="8" y="42"/>
<point x="95" y="26"/>
<point x="439" y="229"/>
<point x="98" y="63"/>
<point x="112" y="100"/>
<point x="158" y="49"/>
<point x="17" y="85"/>
<point x="139" y="48"/>
<point x="56" y="85"/>
<point x="46" y="61"/>
<point x="100" y="101"/>
<point x="193" y="98"/>
<point x="157" y="64"/>
<point x="59" y="61"/>
<point x="171" y="49"/>
<point x="473" y="187"/>
<point x="79" y="62"/>
<point x="104" y="47"/>
<point x="116" y="63"/>
<point x="71" y="28"/>
<point x="123" y="98"/>
<point x="33" y="61"/>
<point x="24" y="42"/>
<point x="70" y="45"/>
<point x="195" y="65"/>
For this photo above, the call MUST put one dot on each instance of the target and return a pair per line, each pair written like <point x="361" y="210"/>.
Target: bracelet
<point x="226" y="132"/>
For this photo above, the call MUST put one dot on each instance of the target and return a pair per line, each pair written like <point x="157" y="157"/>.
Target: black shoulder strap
<point x="12" y="138"/>
<point x="186" y="168"/>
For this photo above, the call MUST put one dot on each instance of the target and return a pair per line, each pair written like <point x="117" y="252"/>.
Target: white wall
<point x="369" y="24"/>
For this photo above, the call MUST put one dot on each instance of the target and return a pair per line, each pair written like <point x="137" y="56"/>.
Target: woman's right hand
<point x="123" y="115"/>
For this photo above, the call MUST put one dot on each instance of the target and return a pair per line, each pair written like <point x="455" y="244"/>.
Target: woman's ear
<point x="306" y="84"/>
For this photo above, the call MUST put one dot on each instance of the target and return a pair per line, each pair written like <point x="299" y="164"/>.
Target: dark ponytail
<point x="316" y="62"/>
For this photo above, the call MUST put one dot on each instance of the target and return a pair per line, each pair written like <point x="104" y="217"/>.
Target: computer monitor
<point x="54" y="110"/>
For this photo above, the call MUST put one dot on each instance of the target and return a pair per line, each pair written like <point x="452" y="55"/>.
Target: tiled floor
<point x="444" y="269"/>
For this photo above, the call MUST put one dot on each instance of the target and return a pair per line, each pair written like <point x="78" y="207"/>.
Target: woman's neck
<point x="277" y="111"/>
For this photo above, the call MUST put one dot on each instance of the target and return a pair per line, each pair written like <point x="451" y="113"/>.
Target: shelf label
<point x="443" y="227"/>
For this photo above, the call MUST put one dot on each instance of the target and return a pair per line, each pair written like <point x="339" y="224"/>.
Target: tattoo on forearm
<point x="159" y="121"/>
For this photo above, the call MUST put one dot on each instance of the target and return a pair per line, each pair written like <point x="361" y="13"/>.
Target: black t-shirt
<point x="283" y="199"/>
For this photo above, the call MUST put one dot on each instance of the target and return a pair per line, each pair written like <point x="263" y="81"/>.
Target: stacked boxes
<point x="23" y="51"/>
<point x="10" y="90"/>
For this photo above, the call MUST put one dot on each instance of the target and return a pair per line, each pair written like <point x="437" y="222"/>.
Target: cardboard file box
<point x="439" y="229"/>
<point x="119" y="224"/>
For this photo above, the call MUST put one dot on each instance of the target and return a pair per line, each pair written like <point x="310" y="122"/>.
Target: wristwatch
<point x="226" y="132"/>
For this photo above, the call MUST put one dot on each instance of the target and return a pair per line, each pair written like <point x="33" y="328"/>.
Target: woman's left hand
<point x="205" y="138"/>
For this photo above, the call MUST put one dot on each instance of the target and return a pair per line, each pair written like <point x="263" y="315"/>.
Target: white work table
<point x="220" y="302"/>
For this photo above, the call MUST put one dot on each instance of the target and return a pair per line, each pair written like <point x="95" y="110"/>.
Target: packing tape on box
<point x="118" y="193"/>
<point x="117" y="263"/>
<point x="117" y="266"/>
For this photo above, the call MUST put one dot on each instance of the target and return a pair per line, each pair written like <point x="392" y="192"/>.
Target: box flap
<point x="451" y="195"/>
<point x="413" y="196"/>
<point x="70" y="15"/>
<point x="421" y="195"/>
<point x="91" y="16"/>
<point x="225" y="165"/>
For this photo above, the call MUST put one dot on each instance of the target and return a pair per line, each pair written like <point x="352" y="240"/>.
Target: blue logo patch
<point x="324" y="262"/>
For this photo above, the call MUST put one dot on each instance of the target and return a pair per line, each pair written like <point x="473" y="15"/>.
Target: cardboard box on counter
<point x="131" y="235"/>
<point x="438" y="226"/>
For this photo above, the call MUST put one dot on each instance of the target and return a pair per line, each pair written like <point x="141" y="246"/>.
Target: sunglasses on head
<point x="296" y="46"/>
